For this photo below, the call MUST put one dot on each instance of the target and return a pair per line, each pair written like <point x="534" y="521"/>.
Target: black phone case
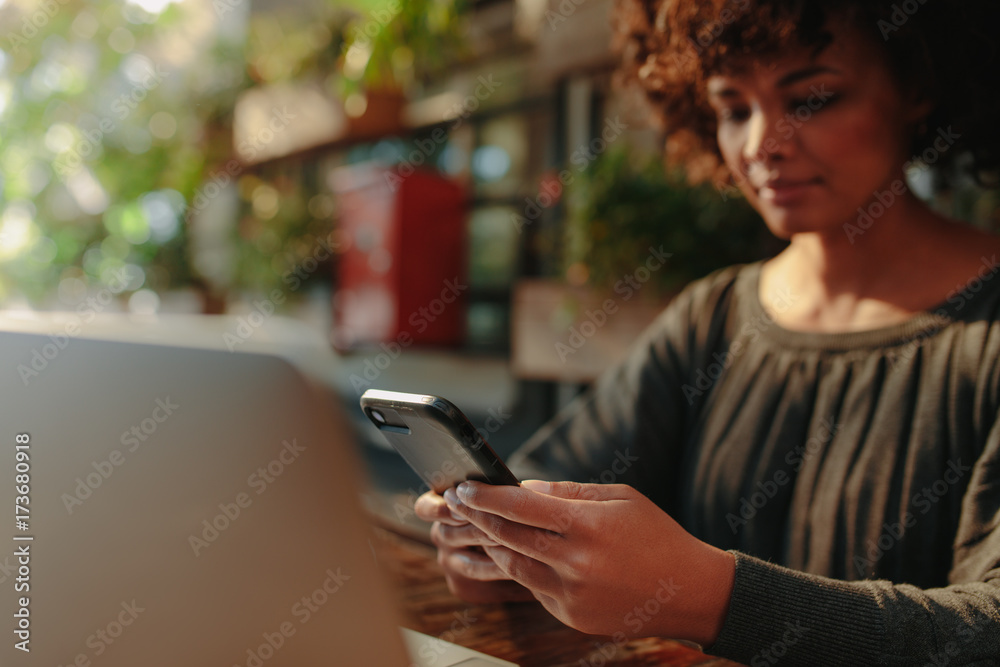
<point x="436" y="439"/>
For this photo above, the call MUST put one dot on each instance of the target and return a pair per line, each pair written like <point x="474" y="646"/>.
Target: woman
<point x="807" y="450"/>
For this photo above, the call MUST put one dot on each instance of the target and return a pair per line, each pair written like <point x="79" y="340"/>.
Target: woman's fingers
<point x="470" y="564"/>
<point x="457" y="537"/>
<point x="487" y="592"/>
<point x="549" y="505"/>
<point x="539" y="577"/>
<point x="537" y="543"/>
<point x="520" y="505"/>
<point x="431" y="507"/>
<point x="553" y="506"/>
<point x="471" y="574"/>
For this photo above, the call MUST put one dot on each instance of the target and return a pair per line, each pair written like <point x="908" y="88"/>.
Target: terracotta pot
<point x="382" y="116"/>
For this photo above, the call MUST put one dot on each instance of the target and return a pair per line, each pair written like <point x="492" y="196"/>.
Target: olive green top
<point x="856" y="476"/>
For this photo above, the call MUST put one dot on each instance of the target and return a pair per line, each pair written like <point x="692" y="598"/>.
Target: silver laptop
<point x="170" y="502"/>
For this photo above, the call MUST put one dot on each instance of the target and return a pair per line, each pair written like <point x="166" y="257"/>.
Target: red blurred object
<point x="401" y="276"/>
<point x="551" y="186"/>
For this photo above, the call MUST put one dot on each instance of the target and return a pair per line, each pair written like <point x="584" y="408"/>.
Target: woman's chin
<point x="784" y="227"/>
<point x="785" y="224"/>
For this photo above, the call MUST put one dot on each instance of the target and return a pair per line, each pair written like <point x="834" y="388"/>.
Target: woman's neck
<point x="905" y="262"/>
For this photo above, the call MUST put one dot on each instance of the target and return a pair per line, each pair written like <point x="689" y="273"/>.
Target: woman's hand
<point x="602" y="558"/>
<point x="470" y="573"/>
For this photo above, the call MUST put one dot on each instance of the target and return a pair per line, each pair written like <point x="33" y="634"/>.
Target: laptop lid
<point x="185" y="506"/>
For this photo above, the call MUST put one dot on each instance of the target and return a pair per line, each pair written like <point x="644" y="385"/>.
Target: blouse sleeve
<point x="784" y="617"/>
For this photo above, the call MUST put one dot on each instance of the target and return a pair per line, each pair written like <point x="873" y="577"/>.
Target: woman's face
<point x="810" y="138"/>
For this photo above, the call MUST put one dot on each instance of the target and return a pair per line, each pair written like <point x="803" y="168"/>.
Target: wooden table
<point x="523" y="632"/>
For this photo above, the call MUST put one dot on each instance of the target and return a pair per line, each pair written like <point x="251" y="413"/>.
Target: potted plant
<point x="635" y="233"/>
<point x="387" y="49"/>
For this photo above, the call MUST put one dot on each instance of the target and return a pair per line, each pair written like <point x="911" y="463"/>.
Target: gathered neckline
<point x="924" y="324"/>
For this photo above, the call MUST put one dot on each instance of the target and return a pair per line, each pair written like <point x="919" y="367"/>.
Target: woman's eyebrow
<point x="725" y="90"/>
<point x="805" y="73"/>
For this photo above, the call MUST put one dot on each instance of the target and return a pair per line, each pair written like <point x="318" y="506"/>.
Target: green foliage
<point x="393" y="44"/>
<point x="285" y="46"/>
<point x="621" y="206"/>
<point x="109" y="114"/>
<point x="79" y="202"/>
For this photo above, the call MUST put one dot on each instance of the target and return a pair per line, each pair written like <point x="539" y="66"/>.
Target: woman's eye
<point x="811" y="104"/>
<point x="733" y="114"/>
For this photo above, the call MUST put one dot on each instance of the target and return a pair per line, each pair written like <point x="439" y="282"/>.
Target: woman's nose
<point x="763" y="141"/>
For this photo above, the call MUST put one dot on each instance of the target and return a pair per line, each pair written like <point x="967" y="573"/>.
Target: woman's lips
<point x="782" y="193"/>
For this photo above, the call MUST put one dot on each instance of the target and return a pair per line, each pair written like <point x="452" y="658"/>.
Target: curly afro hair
<point x="944" y="51"/>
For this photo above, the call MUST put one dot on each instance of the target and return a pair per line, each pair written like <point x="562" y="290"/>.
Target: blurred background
<point x="446" y="192"/>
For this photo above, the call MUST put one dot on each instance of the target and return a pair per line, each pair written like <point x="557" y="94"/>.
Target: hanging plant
<point x="395" y="44"/>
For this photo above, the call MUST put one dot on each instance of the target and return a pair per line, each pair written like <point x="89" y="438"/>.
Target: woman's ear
<point x="917" y="111"/>
<point x="918" y="106"/>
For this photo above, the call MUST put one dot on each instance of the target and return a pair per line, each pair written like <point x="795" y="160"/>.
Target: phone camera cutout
<point x="387" y="419"/>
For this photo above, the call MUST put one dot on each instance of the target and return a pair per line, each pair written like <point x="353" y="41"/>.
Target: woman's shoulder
<point x="699" y="311"/>
<point x="974" y="277"/>
<point x="718" y="287"/>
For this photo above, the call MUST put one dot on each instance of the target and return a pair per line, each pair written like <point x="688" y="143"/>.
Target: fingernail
<point x="538" y="485"/>
<point x="463" y="490"/>
<point x="451" y="499"/>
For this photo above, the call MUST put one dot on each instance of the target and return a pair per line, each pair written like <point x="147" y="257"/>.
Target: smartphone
<point x="435" y="438"/>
